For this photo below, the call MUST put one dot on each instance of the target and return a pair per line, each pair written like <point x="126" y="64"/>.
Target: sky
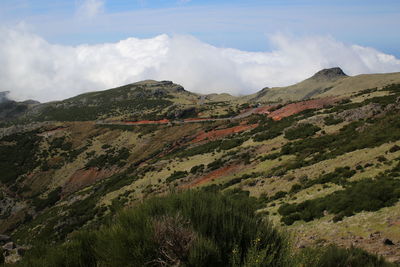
<point x="53" y="49"/>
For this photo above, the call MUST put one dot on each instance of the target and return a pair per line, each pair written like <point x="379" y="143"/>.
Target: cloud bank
<point x="32" y="68"/>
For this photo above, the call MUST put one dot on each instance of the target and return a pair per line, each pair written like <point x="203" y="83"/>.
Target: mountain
<point x="10" y="110"/>
<point x="145" y="100"/>
<point x="328" y="82"/>
<point x="331" y="74"/>
<point x="321" y="164"/>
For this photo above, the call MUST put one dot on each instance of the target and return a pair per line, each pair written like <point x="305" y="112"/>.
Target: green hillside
<point x="245" y="183"/>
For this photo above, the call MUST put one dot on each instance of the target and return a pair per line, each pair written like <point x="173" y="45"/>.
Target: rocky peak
<point x="329" y="74"/>
<point x="165" y="85"/>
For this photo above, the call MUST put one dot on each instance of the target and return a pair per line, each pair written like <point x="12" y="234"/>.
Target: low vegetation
<point x="357" y="135"/>
<point x="18" y="150"/>
<point x="303" y="130"/>
<point x="297" y="166"/>
<point x="112" y="157"/>
<point x="364" y="195"/>
<point x="195" y="228"/>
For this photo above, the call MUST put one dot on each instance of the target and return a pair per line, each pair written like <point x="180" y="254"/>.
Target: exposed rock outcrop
<point x="329" y="74"/>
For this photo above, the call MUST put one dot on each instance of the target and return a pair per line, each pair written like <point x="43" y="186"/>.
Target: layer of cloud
<point x="36" y="69"/>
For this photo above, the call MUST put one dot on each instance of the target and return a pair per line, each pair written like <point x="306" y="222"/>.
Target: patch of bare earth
<point x="84" y="177"/>
<point x="230" y="169"/>
<point x="295" y="108"/>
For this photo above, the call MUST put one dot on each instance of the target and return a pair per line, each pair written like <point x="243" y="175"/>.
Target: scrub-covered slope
<point x="326" y="169"/>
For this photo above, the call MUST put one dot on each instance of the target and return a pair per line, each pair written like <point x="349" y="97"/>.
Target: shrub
<point x="333" y="256"/>
<point x="278" y="195"/>
<point x="349" y="138"/>
<point x="176" y="175"/>
<point x="338" y="176"/>
<point x="331" y="120"/>
<point x="215" y="164"/>
<point x="21" y="152"/>
<point x="394" y="148"/>
<point x="364" y="195"/>
<point x="109" y="159"/>
<point x="50" y="200"/>
<point x="197" y="168"/>
<point x="295" y="188"/>
<point x="195" y="228"/>
<point x="301" y="131"/>
<point x="272" y="129"/>
<point x="381" y="158"/>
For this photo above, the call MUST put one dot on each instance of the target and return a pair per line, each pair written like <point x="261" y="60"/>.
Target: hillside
<point x="324" y="166"/>
<point x="329" y="82"/>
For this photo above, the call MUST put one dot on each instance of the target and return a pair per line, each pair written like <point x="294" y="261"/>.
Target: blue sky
<point x="238" y="24"/>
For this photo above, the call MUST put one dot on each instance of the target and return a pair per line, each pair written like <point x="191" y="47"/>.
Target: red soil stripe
<point x="298" y="107"/>
<point x="213" y="175"/>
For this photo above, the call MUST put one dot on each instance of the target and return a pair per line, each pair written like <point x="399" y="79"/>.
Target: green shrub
<point x="278" y="195"/>
<point x="331" y="120"/>
<point x="176" y="175"/>
<point x="272" y="129"/>
<point x="301" y="131"/>
<point x="50" y="200"/>
<point x="333" y="256"/>
<point x="109" y="159"/>
<point x="197" y="168"/>
<point x="349" y="138"/>
<point x="394" y="148"/>
<point x="215" y="164"/>
<point x="364" y="195"/>
<point x="217" y="229"/>
<point x="22" y="152"/>
<point x="295" y="188"/>
<point x="338" y="176"/>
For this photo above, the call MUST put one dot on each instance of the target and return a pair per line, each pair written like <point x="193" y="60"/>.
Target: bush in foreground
<point x="195" y="228"/>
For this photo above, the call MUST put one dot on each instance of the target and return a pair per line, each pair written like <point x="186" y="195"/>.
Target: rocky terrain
<point x="322" y="158"/>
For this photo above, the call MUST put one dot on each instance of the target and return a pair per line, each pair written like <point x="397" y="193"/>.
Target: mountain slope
<point x="299" y="160"/>
<point x="330" y="82"/>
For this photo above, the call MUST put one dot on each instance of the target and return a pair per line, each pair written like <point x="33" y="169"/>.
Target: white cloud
<point x="88" y="9"/>
<point x="34" y="68"/>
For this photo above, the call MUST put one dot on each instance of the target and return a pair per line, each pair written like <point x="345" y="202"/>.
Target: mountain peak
<point x="3" y="96"/>
<point x="160" y="85"/>
<point x="329" y="74"/>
